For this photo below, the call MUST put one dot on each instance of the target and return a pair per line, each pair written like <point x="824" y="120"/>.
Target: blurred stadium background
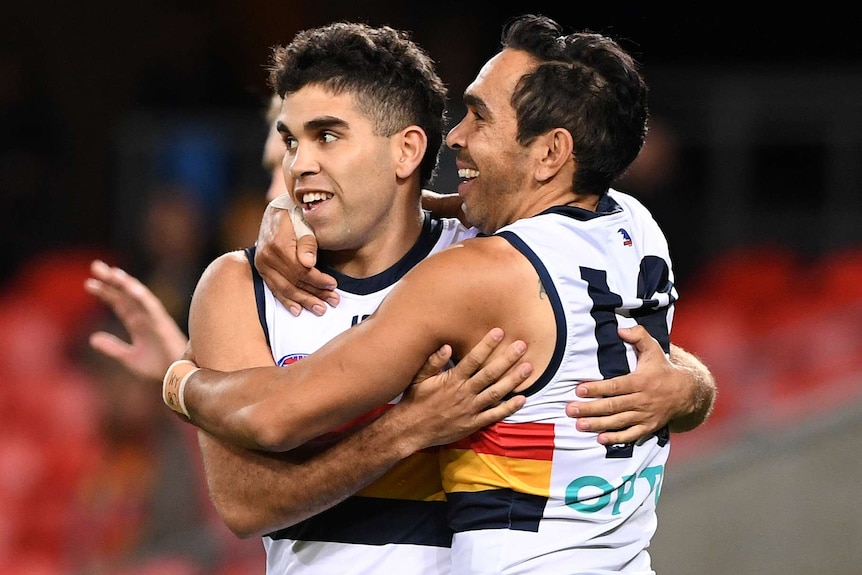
<point x="135" y="133"/>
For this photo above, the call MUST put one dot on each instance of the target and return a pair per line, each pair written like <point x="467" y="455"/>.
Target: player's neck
<point x="390" y="240"/>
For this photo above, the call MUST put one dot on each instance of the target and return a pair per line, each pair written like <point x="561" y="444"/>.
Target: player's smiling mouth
<point x="312" y="199"/>
<point x="468" y="174"/>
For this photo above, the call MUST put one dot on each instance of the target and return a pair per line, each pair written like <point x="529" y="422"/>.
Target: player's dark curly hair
<point x="392" y="78"/>
<point x="587" y="84"/>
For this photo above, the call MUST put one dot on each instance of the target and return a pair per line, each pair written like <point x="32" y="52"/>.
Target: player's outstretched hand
<point x="450" y="404"/>
<point x="156" y="339"/>
<point x="636" y="405"/>
<point x="285" y="257"/>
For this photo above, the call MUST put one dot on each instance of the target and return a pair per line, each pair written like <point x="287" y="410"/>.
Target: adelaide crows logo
<point x="291" y="358"/>
<point x="627" y="239"/>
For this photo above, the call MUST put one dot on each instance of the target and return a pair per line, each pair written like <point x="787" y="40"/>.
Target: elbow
<point x="272" y="440"/>
<point x="271" y="432"/>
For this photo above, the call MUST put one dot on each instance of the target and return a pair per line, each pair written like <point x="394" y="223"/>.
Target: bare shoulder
<point x="461" y="258"/>
<point x="230" y="266"/>
<point x="476" y="277"/>
<point x="223" y="320"/>
<point x="470" y="264"/>
<point x="224" y="275"/>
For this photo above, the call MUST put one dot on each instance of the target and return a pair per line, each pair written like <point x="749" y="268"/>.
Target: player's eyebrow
<point x="325" y="122"/>
<point x="473" y="101"/>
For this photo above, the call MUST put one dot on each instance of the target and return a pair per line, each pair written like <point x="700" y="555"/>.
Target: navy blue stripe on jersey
<point x="375" y="521"/>
<point x="556" y="305"/>
<point x="258" y="292"/>
<point x="495" y="509"/>
<point x="431" y="230"/>
<point x="654" y="278"/>
<point x="607" y="205"/>
<point x="611" y="352"/>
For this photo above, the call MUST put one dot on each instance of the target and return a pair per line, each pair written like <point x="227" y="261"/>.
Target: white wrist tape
<point x="285" y="202"/>
<point x="174" y="385"/>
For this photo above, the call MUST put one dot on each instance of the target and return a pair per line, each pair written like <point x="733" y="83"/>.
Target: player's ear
<point x="553" y="149"/>
<point x="409" y="147"/>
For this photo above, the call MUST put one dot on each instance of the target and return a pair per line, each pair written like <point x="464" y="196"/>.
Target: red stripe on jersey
<point x="518" y="440"/>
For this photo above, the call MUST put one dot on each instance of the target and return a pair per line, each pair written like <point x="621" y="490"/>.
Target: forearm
<point x="256" y="493"/>
<point x="443" y="205"/>
<point x="274" y="408"/>
<point x="702" y="394"/>
<point x="231" y="406"/>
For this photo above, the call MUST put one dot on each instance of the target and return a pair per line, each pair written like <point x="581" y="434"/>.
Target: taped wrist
<point x="174" y="385"/>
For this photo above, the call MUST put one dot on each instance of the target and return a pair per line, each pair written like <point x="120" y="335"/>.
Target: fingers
<point x="471" y="362"/>
<point x="119" y="290"/>
<point x="499" y="412"/>
<point x="300" y="295"/>
<point x="109" y="345"/>
<point x="640" y="338"/>
<point x="493" y="379"/>
<point x="497" y="377"/>
<point x="287" y="266"/>
<point x="602" y="388"/>
<point x="320" y="284"/>
<point x="612" y="425"/>
<point x="300" y="227"/>
<point x="434" y="364"/>
<point x="306" y="251"/>
<point x="495" y="382"/>
<point x="629" y="435"/>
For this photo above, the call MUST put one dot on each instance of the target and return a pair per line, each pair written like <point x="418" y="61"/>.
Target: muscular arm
<point x="275" y="490"/>
<point x="375" y="357"/>
<point x="277" y="409"/>
<point x="679" y="393"/>
<point x="256" y="492"/>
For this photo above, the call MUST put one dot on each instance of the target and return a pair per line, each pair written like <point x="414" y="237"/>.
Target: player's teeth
<point x="465" y="173"/>
<point x="314" y="197"/>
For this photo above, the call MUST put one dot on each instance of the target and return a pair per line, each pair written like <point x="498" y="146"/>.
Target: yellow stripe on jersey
<point x="473" y="472"/>
<point x="515" y="456"/>
<point x="415" y="478"/>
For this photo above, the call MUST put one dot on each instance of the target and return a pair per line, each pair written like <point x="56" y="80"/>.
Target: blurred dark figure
<point x="173" y="244"/>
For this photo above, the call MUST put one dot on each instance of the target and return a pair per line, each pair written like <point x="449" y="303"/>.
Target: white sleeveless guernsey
<point x="397" y="524"/>
<point x="532" y="494"/>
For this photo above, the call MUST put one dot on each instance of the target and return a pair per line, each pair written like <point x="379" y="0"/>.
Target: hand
<point x="156" y="338"/>
<point x="456" y="402"/>
<point x="287" y="263"/>
<point x="633" y="406"/>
